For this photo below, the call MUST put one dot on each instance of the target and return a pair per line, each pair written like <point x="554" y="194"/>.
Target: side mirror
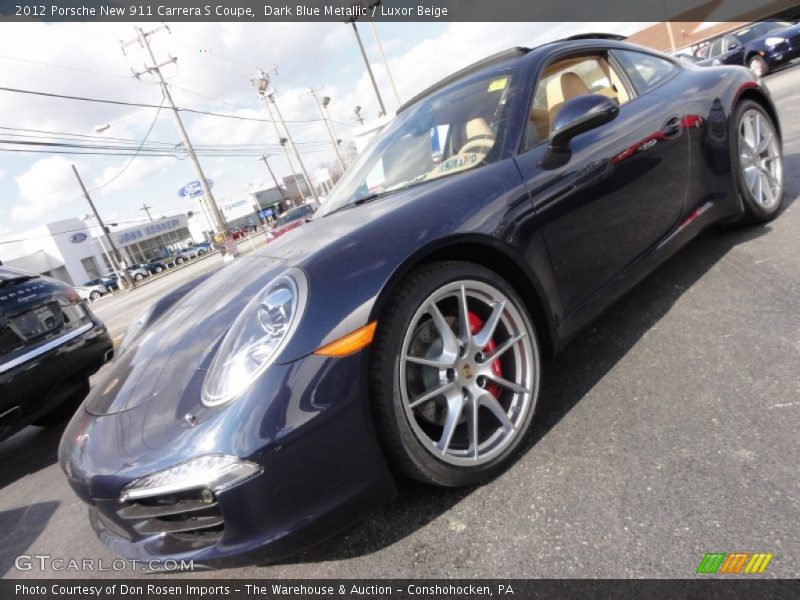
<point x="732" y="46"/>
<point x="579" y="115"/>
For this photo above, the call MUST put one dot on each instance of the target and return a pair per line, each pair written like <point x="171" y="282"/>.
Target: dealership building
<point x="74" y="251"/>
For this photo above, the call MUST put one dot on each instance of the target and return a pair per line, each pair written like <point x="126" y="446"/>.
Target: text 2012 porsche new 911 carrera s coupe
<point x="400" y="332"/>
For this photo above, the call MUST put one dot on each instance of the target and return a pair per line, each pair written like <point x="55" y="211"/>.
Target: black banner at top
<point x="396" y="10"/>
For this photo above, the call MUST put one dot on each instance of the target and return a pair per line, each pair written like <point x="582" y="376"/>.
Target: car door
<point x="732" y="51"/>
<point x="622" y="188"/>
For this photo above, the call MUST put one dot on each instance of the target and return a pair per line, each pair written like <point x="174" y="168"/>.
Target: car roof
<point x="505" y="57"/>
<point x="7" y="273"/>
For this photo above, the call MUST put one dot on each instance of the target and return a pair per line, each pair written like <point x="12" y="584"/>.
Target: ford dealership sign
<point x="193" y="189"/>
<point x="77" y="238"/>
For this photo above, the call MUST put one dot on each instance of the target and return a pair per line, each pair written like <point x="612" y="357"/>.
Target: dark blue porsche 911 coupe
<point x="400" y="332"/>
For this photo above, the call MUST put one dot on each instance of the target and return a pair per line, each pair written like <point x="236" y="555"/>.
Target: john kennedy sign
<point x="144" y="232"/>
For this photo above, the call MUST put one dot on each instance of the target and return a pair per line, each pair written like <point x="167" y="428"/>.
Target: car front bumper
<point x="322" y="469"/>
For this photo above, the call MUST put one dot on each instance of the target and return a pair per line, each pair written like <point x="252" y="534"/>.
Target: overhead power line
<point x="143" y="105"/>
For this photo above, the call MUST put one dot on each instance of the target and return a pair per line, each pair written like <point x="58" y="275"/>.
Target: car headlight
<point x="133" y="330"/>
<point x="773" y="41"/>
<point x="215" y="472"/>
<point x="256" y="338"/>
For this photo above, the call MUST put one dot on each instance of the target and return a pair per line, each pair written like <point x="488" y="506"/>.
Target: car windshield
<point x="456" y="129"/>
<point x="748" y="34"/>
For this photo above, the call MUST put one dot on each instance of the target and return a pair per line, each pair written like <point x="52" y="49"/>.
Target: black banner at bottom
<point x="402" y="589"/>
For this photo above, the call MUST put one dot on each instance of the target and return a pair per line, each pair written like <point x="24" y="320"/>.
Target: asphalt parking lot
<point x="667" y="430"/>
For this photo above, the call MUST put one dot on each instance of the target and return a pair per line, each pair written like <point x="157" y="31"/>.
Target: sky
<point x="212" y="73"/>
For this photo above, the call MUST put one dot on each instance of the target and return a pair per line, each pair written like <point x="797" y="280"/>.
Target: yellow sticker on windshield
<point x="497" y="84"/>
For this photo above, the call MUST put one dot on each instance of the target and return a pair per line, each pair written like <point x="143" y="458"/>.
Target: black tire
<point x="73" y="393"/>
<point x="753" y="212"/>
<point x="405" y="451"/>
<point x="179" y="261"/>
<point x="757" y="66"/>
<point x="94" y="295"/>
<point x="158" y="270"/>
<point x="138" y="277"/>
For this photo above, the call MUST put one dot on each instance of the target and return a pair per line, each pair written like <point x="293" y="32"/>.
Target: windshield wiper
<point x="358" y="202"/>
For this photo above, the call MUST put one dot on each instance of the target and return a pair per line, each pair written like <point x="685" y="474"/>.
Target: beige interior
<point x="564" y="84"/>
<point x="479" y="137"/>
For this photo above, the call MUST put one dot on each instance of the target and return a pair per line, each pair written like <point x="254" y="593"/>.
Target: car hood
<point x="347" y="256"/>
<point x="170" y="355"/>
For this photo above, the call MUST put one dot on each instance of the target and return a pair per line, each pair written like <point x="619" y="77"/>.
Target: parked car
<point x="291" y="219"/>
<point x="239" y="233"/>
<point x="761" y="47"/>
<point x="110" y="282"/>
<point x="491" y="220"/>
<point x="50" y="343"/>
<point x="153" y="267"/>
<point x="138" y="273"/>
<point x="91" y="292"/>
<point x="187" y="253"/>
<point x="202" y="247"/>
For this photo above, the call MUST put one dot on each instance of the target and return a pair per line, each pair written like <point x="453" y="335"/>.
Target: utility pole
<point x="117" y="260"/>
<point x="309" y="183"/>
<point x="275" y="179"/>
<point x="261" y="82"/>
<point x="155" y="67"/>
<point x="146" y="209"/>
<point x="324" y="115"/>
<point x="352" y="21"/>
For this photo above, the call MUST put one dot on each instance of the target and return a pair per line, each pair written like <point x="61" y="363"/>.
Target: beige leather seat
<point x="480" y="138"/>
<point x="564" y="87"/>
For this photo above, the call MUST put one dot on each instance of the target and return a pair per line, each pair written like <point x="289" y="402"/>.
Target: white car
<point x="91" y="292"/>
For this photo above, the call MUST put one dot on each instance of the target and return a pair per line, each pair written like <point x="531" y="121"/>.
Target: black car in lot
<point x="153" y="267"/>
<point x="50" y="343"/>
<point x="761" y="47"/>
<point x="259" y="409"/>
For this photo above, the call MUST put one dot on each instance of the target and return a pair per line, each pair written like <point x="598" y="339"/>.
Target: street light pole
<point x="385" y="62"/>
<point x="369" y="68"/>
<point x="114" y="252"/>
<point x="324" y="115"/>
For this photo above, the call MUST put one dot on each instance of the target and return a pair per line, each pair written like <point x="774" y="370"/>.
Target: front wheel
<point x="179" y="261"/>
<point x="454" y="374"/>
<point x="94" y="295"/>
<point x="758" y="66"/>
<point x="138" y="277"/>
<point x="158" y="270"/>
<point x="757" y="159"/>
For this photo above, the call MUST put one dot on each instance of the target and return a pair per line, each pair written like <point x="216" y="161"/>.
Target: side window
<point x="566" y="79"/>
<point x="645" y="70"/>
<point x="716" y="48"/>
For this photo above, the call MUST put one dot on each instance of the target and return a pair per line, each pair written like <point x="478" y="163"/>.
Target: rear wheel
<point x="138" y="277"/>
<point x="94" y="295"/>
<point x="158" y="270"/>
<point x="454" y="374"/>
<point x="758" y="162"/>
<point x="179" y="261"/>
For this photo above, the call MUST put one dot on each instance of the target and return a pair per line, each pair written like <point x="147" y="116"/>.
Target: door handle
<point x="672" y="127"/>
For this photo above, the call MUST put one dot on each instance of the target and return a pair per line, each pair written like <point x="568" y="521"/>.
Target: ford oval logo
<point x="77" y="238"/>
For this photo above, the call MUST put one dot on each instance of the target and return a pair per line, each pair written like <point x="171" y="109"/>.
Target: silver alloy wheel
<point x="760" y="159"/>
<point x="757" y="67"/>
<point x="449" y="373"/>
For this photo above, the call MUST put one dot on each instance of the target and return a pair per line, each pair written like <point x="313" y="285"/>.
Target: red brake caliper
<point x="475" y="324"/>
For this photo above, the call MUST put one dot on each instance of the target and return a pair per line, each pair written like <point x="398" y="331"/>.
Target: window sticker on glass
<point x="497" y="84"/>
